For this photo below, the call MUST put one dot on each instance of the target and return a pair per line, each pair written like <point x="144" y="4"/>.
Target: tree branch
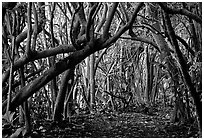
<point x="185" y="44"/>
<point x="21" y="37"/>
<point x="17" y="83"/>
<point x="124" y="28"/>
<point x="180" y="11"/>
<point x="90" y="21"/>
<point x="38" y="55"/>
<point x="72" y="28"/>
<point x="63" y="11"/>
<point x="29" y="31"/>
<point x="35" y="32"/>
<point x="103" y="19"/>
<point x="184" y="70"/>
<point x="109" y="20"/>
<point x="99" y="59"/>
<point x="56" y="69"/>
<point x="143" y="40"/>
<point x="124" y="12"/>
<point x="5" y="6"/>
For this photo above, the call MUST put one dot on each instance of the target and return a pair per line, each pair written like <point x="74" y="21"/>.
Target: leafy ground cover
<point x="116" y="125"/>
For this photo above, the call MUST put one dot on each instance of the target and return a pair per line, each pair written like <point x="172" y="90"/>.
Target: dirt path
<point x="124" y="125"/>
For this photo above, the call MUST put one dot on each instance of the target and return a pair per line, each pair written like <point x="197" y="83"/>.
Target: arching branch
<point x="109" y="20"/>
<point x="180" y="11"/>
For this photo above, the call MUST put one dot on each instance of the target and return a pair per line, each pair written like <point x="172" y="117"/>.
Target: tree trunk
<point x="154" y="89"/>
<point x="59" y="105"/>
<point x="26" y="109"/>
<point x="70" y="103"/>
<point x="185" y="74"/>
<point x="111" y="98"/>
<point x="163" y="45"/>
<point x="87" y="83"/>
<point x="147" y="89"/>
<point x="92" y="82"/>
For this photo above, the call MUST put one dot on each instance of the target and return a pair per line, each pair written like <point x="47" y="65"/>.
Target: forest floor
<point x="117" y="125"/>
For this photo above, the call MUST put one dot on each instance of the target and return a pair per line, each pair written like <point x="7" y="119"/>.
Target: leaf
<point x="9" y="117"/>
<point x="8" y="24"/>
<point x="24" y="131"/>
<point x="17" y="133"/>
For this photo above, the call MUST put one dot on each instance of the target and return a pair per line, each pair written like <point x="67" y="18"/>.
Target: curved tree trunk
<point x="25" y="108"/>
<point x="59" y="105"/>
<point x="69" y="107"/>
<point x="184" y="72"/>
<point x="164" y="47"/>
